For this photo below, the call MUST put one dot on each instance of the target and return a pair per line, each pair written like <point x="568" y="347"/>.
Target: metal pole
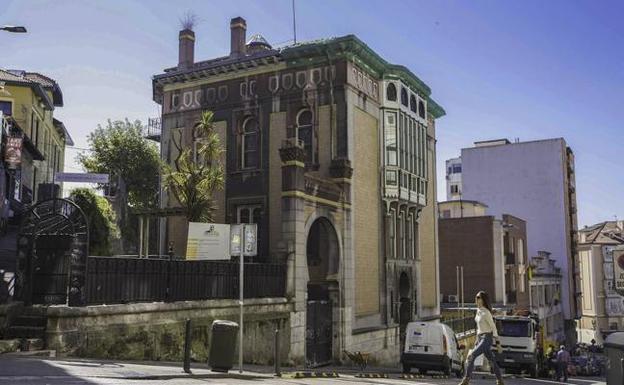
<point x="294" y="22"/>
<point x="461" y="268"/>
<point x="278" y="370"/>
<point x="187" y="347"/>
<point x="140" y="236"/>
<point x="241" y="278"/>
<point x="457" y="276"/>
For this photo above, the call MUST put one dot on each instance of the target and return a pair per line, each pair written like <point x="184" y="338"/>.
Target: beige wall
<point x="366" y="211"/>
<point x="277" y="132"/>
<point x="428" y="236"/>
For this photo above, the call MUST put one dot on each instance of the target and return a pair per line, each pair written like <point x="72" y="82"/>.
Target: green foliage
<point x="119" y="149"/>
<point x="101" y="219"/>
<point x="197" y="172"/>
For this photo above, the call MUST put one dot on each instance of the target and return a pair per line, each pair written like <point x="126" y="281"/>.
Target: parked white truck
<point x="521" y="345"/>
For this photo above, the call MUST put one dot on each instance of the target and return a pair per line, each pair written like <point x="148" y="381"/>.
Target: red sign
<point x="13" y="153"/>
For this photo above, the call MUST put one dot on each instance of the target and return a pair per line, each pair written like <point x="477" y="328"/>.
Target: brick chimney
<point x="238" y="28"/>
<point x="186" y="53"/>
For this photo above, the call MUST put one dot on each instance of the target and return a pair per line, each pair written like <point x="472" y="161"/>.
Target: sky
<point x="501" y="69"/>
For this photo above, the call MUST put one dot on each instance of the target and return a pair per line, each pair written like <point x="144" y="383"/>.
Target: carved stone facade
<point x="304" y="156"/>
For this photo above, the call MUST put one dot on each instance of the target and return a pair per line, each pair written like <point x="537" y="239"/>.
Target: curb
<point x="371" y="375"/>
<point x="412" y="376"/>
<point x="315" y="375"/>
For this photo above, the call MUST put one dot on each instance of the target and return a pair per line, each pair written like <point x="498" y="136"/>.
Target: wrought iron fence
<point x="112" y="280"/>
<point x="461" y="325"/>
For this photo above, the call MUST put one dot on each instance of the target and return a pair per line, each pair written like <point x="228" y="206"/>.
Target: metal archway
<point x="52" y="250"/>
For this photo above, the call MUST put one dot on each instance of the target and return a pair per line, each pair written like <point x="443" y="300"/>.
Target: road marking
<point x="569" y="381"/>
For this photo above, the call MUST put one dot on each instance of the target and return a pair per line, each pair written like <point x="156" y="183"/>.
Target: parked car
<point x="432" y="346"/>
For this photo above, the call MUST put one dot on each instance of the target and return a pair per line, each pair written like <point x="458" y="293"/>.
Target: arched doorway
<point x="405" y="308"/>
<point x="323" y="257"/>
<point x="52" y="254"/>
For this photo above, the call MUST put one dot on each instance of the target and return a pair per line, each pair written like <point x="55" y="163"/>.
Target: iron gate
<point x="319" y="333"/>
<point x="52" y="249"/>
<point x="50" y="275"/>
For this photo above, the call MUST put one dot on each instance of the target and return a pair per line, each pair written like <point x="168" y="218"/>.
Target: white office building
<point x="535" y="181"/>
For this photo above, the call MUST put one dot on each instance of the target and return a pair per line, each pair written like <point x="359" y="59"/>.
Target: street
<point x="40" y="371"/>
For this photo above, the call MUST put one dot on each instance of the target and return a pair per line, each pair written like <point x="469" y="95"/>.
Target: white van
<point x="432" y="346"/>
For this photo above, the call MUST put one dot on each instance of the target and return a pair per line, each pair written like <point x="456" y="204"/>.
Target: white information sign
<point x="81" y="177"/>
<point x="208" y="241"/>
<point x="251" y="240"/>
<point x="618" y="269"/>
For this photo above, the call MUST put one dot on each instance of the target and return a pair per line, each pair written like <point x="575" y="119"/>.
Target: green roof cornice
<point x="435" y="109"/>
<point x="351" y="48"/>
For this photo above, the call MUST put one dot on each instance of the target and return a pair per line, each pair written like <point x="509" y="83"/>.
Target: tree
<point x="119" y="149"/>
<point x="103" y="229"/>
<point x="197" y="171"/>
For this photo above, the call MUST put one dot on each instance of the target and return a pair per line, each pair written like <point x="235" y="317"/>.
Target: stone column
<point x="293" y="235"/>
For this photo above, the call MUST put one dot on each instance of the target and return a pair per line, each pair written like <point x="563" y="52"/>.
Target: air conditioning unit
<point x="453" y="298"/>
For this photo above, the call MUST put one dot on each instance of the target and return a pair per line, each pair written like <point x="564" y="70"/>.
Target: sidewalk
<point x="15" y="365"/>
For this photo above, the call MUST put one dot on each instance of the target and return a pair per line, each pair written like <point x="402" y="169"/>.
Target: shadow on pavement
<point x="19" y="370"/>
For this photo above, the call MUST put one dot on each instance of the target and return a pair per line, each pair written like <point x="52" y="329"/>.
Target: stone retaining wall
<point x="155" y="331"/>
<point x="7" y="313"/>
<point x="383" y="346"/>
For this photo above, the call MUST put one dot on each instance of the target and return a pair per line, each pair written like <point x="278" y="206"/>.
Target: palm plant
<point x="197" y="171"/>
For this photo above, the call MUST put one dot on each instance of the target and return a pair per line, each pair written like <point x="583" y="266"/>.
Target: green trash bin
<point x="223" y="336"/>
<point x="614" y="348"/>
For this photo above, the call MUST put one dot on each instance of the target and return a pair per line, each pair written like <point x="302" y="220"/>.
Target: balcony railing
<point x="154" y="129"/>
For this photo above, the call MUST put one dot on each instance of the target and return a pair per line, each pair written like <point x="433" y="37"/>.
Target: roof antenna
<point x="294" y="22"/>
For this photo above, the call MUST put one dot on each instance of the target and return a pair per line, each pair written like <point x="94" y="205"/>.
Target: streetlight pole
<point x="241" y="280"/>
<point x="14" y="29"/>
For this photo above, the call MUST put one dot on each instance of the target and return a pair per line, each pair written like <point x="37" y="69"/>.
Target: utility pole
<point x="462" y="290"/>
<point x="241" y="279"/>
<point x="294" y="22"/>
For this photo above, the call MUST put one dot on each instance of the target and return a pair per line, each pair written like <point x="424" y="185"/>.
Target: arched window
<point x="249" y="143"/>
<point x="421" y="109"/>
<point x="391" y="93"/>
<point x="403" y="96"/>
<point x="305" y="132"/>
<point x="413" y="105"/>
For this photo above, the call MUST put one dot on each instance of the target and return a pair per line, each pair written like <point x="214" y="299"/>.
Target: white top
<point x="485" y="322"/>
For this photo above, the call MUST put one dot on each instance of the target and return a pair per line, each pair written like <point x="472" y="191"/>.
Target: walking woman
<point x="486" y="333"/>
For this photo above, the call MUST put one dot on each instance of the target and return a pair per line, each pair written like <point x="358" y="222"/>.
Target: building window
<point x="410" y="238"/>
<point x="404" y="96"/>
<point x="304" y="133"/>
<point x="391" y="92"/>
<point x="6" y="107"/>
<point x="413" y="106"/>
<point x="248" y="213"/>
<point x="391" y="178"/>
<point x="392" y="233"/>
<point x="391" y="140"/>
<point x="454" y="189"/>
<point x="175" y="101"/>
<point x="446" y="214"/>
<point x="401" y="236"/>
<point x="421" y="109"/>
<point x="249" y="144"/>
<point x="457" y="169"/>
